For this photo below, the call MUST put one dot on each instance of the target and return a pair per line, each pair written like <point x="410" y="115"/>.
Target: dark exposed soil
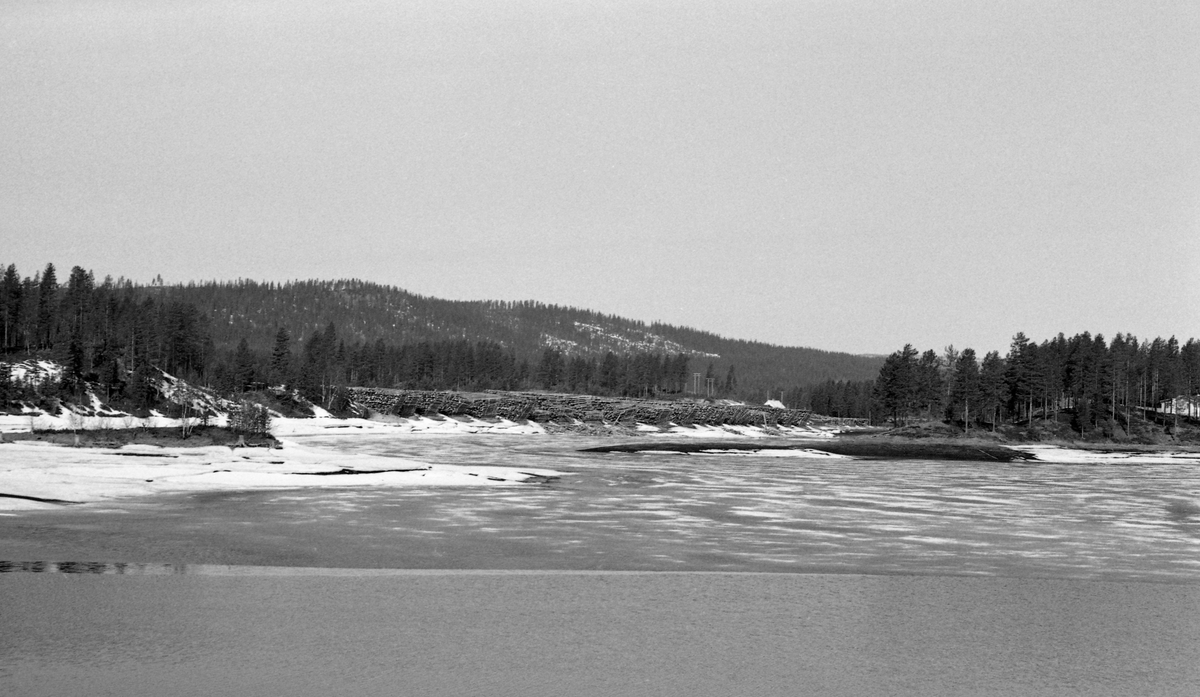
<point x="1137" y="435"/>
<point x="200" y="436"/>
<point x="861" y="448"/>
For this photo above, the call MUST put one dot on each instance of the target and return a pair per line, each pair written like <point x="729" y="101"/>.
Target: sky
<point x="847" y="175"/>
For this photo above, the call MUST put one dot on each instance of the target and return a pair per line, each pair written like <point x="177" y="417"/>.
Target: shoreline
<point x="63" y="427"/>
<point x="886" y="449"/>
<point x="42" y="474"/>
<point x="122" y="428"/>
<point x="41" y="470"/>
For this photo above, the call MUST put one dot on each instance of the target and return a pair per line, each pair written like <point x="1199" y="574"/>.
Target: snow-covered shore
<point x="327" y="425"/>
<point x="40" y="475"/>
<point x="1066" y="455"/>
<point x="37" y="474"/>
<point x="31" y="470"/>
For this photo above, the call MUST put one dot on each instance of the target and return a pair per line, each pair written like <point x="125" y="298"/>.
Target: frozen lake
<point x="632" y="574"/>
<point x="670" y="512"/>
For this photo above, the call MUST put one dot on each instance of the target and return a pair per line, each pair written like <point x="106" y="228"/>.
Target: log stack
<point x="547" y="406"/>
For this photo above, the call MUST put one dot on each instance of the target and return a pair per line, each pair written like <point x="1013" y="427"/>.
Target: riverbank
<point x="162" y="436"/>
<point x="855" y="448"/>
<point x="885" y="448"/>
<point x="48" y="468"/>
<point x="52" y="460"/>
<point x="37" y="474"/>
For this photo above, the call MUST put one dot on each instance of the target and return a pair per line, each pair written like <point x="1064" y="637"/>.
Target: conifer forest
<point x="319" y="337"/>
<point x="1095" y="383"/>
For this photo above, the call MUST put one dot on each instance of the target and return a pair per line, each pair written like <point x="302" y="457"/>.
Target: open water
<point x="632" y="574"/>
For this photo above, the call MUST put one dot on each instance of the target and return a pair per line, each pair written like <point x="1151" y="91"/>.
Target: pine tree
<point x="8" y="390"/>
<point x="10" y="306"/>
<point x="993" y="390"/>
<point x="245" y="372"/>
<point x="610" y="373"/>
<point x="1020" y="374"/>
<point x="965" y="392"/>
<point x="930" y="388"/>
<point x="895" y="390"/>
<point x="578" y="374"/>
<point x="1079" y="376"/>
<point x="949" y="362"/>
<point x="1049" y="361"/>
<point x="550" y="370"/>
<point x="74" y="367"/>
<point x="77" y="301"/>
<point x="47" y="306"/>
<point x="1189" y="356"/>
<point x="281" y="358"/>
<point x="1101" y="386"/>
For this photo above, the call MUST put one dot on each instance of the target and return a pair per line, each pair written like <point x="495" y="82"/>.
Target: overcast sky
<point x="846" y="175"/>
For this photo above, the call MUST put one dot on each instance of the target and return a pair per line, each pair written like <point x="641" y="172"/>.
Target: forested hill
<point x="237" y="334"/>
<point x="367" y="312"/>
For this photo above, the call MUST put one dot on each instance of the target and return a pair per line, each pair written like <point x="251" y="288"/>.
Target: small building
<point x="1183" y="406"/>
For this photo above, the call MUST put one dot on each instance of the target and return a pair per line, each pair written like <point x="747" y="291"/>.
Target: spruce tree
<point x="896" y="388"/>
<point x="245" y="373"/>
<point x="930" y="388"/>
<point x="1020" y="373"/>
<point x="47" y="307"/>
<point x="281" y="358"/>
<point x="964" y="393"/>
<point x="993" y="391"/>
<point x="550" y="369"/>
<point x="610" y="373"/>
<point x="10" y="306"/>
<point x="8" y="390"/>
<point x="949" y="361"/>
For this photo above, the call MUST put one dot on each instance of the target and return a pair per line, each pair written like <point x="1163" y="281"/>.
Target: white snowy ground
<point x="48" y="471"/>
<point x="281" y="426"/>
<point x="324" y="424"/>
<point x="1058" y="454"/>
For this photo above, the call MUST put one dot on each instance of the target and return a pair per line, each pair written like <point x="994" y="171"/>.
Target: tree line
<point x="365" y="312"/>
<point x="1097" y="382"/>
<point x="325" y="365"/>
<point x="110" y="336"/>
<point x="109" y="333"/>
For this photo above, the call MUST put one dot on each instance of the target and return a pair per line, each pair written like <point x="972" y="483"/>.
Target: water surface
<point x="583" y="634"/>
<point x="650" y="574"/>
<point x="670" y="512"/>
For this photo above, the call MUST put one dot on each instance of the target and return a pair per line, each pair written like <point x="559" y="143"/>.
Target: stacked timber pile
<point x="410" y="402"/>
<point x="546" y="406"/>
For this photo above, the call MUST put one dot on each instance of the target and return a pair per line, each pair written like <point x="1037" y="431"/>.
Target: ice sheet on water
<point x="1058" y="454"/>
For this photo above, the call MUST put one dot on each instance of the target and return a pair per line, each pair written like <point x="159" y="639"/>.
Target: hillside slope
<point x="367" y="312"/>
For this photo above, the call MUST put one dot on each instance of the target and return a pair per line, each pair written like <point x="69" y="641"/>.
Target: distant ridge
<point x="368" y="312"/>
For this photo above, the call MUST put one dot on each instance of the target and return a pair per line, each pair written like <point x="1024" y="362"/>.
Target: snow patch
<point x="44" y="471"/>
<point x="1057" y="454"/>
